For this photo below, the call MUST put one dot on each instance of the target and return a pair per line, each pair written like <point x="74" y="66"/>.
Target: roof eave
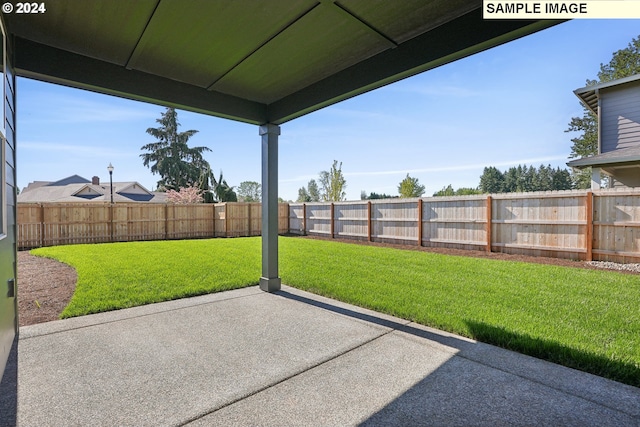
<point x="594" y="162"/>
<point x="589" y="94"/>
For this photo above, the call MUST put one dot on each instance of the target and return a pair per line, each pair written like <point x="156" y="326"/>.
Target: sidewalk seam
<point x="267" y="387"/>
<point x="135" y="317"/>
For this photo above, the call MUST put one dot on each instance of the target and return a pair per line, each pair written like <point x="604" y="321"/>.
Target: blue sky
<point x="506" y="106"/>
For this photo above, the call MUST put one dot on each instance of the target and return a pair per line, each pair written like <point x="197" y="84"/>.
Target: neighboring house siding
<point x="620" y="117"/>
<point x="8" y="255"/>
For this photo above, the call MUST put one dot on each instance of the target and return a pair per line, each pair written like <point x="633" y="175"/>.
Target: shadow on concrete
<point x="449" y="341"/>
<point x="463" y="393"/>
<point x="9" y="388"/>
<point x="548" y="350"/>
<point x="486" y="386"/>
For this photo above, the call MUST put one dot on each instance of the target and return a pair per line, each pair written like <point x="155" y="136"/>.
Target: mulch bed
<point x="45" y="286"/>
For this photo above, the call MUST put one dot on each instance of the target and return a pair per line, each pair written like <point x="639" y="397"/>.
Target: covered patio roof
<point x="259" y="62"/>
<point x="253" y="61"/>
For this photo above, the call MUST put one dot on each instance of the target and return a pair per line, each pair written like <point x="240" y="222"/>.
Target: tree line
<point x="516" y="179"/>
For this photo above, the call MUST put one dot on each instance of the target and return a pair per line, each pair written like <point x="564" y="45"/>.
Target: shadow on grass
<point x="555" y="352"/>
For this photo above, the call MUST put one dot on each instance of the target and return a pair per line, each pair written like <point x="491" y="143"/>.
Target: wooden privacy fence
<point x="586" y="225"/>
<point x="49" y="224"/>
<point x="599" y="225"/>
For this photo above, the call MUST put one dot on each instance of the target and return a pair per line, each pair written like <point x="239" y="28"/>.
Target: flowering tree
<point x="185" y="196"/>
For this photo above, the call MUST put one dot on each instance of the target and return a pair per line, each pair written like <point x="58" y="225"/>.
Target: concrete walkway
<point x="248" y="358"/>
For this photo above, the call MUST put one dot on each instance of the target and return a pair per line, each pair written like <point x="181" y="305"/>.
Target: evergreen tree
<point x="314" y="192"/>
<point x="223" y="192"/>
<point x="523" y="178"/>
<point x="178" y="165"/>
<point x="561" y="179"/>
<point x="492" y="180"/>
<point x="303" y="195"/>
<point x="375" y="196"/>
<point x="309" y="194"/>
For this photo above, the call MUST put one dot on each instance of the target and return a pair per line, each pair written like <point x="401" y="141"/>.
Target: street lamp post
<point x="110" y="169"/>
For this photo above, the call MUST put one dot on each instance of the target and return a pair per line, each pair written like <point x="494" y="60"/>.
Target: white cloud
<point x="300" y="178"/>
<point x="436" y="90"/>
<point x="75" y="150"/>
<point x="72" y="109"/>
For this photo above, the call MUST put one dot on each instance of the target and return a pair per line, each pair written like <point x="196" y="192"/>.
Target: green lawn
<point x="584" y="319"/>
<point x="119" y="275"/>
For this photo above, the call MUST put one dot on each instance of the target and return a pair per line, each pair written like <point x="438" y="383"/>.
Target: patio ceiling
<point x="253" y="61"/>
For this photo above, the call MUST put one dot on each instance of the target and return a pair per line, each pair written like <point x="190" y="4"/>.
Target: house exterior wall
<point x="620" y="111"/>
<point x="8" y="236"/>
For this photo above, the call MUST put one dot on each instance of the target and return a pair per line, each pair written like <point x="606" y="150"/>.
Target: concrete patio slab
<point x="246" y="357"/>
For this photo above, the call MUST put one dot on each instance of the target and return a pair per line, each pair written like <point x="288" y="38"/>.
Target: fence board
<point x="318" y="219"/>
<point x="454" y="222"/>
<point x="296" y="214"/>
<point x="394" y="221"/>
<point x="351" y="220"/>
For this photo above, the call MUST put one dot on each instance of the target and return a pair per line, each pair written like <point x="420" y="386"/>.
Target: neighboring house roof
<point x="78" y="189"/>
<point x="35" y="184"/>
<point x="73" y="179"/>
<point x="589" y="94"/>
<point x="612" y="158"/>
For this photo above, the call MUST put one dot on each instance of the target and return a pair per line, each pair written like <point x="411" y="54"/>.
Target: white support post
<point x="270" y="281"/>
<point x="595" y="178"/>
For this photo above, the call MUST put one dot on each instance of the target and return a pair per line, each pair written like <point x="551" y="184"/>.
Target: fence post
<point x="249" y="219"/>
<point x="111" y="222"/>
<point x="42" y="227"/>
<point x="369" y="220"/>
<point x="489" y="217"/>
<point x="332" y="219"/>
<point x="288" y="218"/>
<point x="226" y="220"/>
<point x="589" y="231"/>
<point x="304" y="219"/>
<point x="420" y="222"/>
<point x="213" y="219"/>
<point x="166" y="221"/>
